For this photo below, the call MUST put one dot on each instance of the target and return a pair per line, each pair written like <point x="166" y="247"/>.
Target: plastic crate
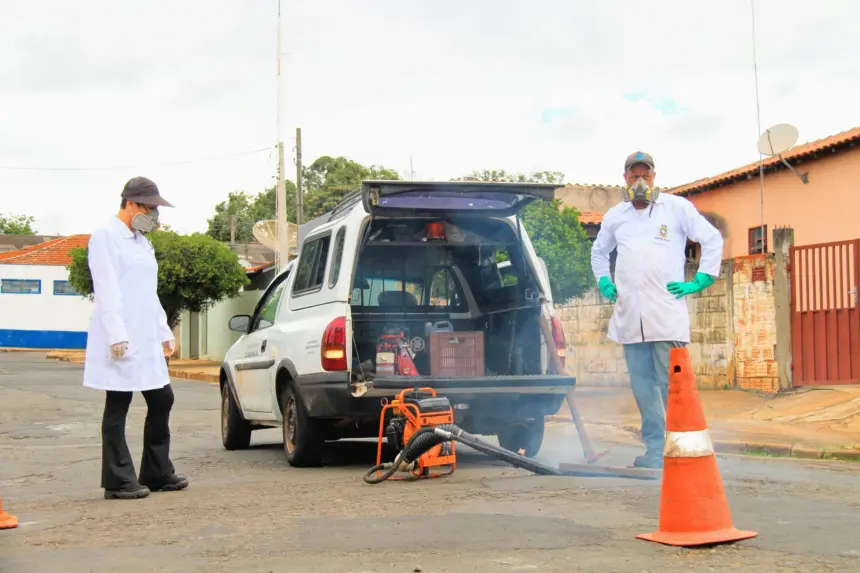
<point x="457" y="354"/>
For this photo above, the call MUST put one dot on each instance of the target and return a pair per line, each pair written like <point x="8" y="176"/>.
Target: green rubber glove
<point x="700" y="282"/>
<point x="607" y="289"/>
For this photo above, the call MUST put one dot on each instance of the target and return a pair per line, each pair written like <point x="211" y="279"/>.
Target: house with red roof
<point x="38" y="306"/>
<point x="823" y="210"/>
<point x="40" y="309"/>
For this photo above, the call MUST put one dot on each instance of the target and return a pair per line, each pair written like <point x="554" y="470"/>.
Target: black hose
<point x="426" y="438"/>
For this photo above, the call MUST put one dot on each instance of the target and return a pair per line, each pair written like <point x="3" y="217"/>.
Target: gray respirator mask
<point x="640" y="191"/>
<point x="146" y="223"/>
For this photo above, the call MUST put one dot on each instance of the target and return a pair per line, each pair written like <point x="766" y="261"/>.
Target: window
<point x="396" y="283"/>
<point x="21" y="286"/>
<point x="758" y="240"/>
<point x="64" y="288"/>
<point x="443" y="289"/>
<point x="310" y="271"/>
<point x="338" y="257"/>
<point x="269" y="307"/>
<point x="497" y="270"/>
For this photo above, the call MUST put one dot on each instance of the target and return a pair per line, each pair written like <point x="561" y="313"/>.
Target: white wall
<point x="46" y="318"/>
<point x="215" y="336"/>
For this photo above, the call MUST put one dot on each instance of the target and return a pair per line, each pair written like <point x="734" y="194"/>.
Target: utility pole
<point x="283" y="240"/>
<point x="300" y="212"/>
<point x="232" y="230"/>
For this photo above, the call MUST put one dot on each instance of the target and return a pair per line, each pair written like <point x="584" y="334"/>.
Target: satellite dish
<point x="266" y="232"/>
<point x="777" y="140"/>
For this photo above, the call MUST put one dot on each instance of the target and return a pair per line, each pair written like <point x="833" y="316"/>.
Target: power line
<point x="758" y="121"/>
<point x="139" y="166"/>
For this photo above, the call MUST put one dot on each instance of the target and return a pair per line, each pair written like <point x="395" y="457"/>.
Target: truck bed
<point x="538" y="384"/>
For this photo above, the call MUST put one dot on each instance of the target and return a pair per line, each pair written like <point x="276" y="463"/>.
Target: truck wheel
<point x="527" y="436"/>
<point x="235" y="431"/>
<point x="304" y="439"/>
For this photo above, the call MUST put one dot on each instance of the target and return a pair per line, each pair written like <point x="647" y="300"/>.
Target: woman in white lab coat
<point x="127" y="344"/>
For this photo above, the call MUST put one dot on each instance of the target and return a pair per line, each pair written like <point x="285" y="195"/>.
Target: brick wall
<point x="755" y="323"/>
<point x="732" y="331"/>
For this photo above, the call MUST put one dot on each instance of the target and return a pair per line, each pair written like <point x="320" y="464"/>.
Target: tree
<point x="555" y="232"/>
<point x="328" y="179"/>
<point x="194" y="272"/>
<point x="16" y="225"/>
<point x="503" y="176"/>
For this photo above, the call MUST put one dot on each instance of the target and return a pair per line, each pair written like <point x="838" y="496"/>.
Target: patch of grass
<point x="764" y="452"/>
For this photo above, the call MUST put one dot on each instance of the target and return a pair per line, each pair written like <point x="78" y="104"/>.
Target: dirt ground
<point x="249" y="511"/>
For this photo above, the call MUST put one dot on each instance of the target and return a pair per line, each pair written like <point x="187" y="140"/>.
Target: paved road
<point x="248" y="511"/>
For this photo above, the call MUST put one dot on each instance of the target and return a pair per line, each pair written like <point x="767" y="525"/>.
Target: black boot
<point x="132" y="491"/>
<point x="172" y="482"/>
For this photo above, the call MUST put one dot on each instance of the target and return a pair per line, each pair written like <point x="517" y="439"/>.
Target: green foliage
<point x="16" y="225"/>
<point x="245" y="210"/>
<point x="325" y="182"/>
<point x="561" y="242"/>
<point x="328" y="179"/>
<point x="194" y="272"/>
<point x="555" y="232"/>
<point x="503" y="176"/>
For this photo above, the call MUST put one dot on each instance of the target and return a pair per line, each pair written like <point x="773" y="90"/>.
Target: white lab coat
<point x="651" y="245"/>
<point x="127" y="309"/>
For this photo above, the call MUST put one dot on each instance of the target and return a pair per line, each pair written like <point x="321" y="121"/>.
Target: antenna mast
<point x="282" y="254"/>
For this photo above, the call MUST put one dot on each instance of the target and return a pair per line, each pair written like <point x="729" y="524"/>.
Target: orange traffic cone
<point x="7" y="521"/>
<point x="693" y="505"/>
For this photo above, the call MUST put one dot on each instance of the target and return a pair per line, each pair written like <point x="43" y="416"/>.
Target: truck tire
<point x="304" y="439"/>
<point x="235" y="431"/>
<point x="526" y="436"/>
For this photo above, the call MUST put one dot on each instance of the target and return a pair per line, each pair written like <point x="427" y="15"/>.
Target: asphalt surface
<point x="249" y="511"/>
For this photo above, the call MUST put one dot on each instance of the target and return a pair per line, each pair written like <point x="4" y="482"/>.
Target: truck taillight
<point x="560" y="342"/>
<point x="333" y="349"/>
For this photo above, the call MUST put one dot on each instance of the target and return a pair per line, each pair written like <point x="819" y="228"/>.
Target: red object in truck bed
<point x="457" y="354"/>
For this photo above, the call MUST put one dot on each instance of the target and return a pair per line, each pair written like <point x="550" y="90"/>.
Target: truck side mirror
<point x="240" y="323"/>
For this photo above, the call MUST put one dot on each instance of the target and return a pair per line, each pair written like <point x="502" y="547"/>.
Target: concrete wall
<point x="732" y="331"/>
<point x="595" y="198"/>
<point x="821" y="211"/>
<point x="215" y="337"/>
<point x="42" y="320"/>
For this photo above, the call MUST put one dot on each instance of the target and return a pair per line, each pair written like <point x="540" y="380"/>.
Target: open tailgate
<point x="440" y="198"/>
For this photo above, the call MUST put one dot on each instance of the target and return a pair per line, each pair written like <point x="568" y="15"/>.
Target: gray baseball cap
<point x="638" y="157"/>
<point x="144" y="191"/>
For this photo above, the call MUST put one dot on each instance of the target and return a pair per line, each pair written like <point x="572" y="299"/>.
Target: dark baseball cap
<point x="144" y="191"/>
<point x="638" y="157"/>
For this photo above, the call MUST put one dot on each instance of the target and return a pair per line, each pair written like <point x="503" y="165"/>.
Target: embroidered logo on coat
<point x="663" y="233"/>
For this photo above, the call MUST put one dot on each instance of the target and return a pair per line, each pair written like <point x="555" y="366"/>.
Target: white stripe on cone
<point x="696" y="444"/>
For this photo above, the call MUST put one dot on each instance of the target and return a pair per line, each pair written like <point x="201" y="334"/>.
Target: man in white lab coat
<point x="127" y="344"/>
<point x="650" y="231"/>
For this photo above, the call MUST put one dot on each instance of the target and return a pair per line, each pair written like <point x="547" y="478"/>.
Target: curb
<point x="172" y="372"/>
<point x="194" y="376"/>
<point x="754" y="448"/>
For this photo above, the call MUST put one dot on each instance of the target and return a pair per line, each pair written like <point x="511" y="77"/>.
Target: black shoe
<point x="650" y="461"/>
<point x="133" y="491"/>
<point x="172" y="482"/>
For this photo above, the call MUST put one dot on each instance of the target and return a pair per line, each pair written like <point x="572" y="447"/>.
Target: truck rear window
<point x="398" y="284"/>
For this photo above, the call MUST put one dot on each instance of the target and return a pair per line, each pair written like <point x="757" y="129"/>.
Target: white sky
<point x="499" y="84"/>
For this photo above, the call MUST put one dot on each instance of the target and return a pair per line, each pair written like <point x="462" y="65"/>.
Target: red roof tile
<point x="53" y="253"/>
<point x="800" y="152"/>
<point x="590" y="218"/>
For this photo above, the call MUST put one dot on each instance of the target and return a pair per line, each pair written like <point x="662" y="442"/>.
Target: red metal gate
<point x="825" y="318"/>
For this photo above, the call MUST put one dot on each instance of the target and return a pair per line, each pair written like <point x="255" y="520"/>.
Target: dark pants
<point x="648" y="366"/>
<point x="155" y="465"/>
